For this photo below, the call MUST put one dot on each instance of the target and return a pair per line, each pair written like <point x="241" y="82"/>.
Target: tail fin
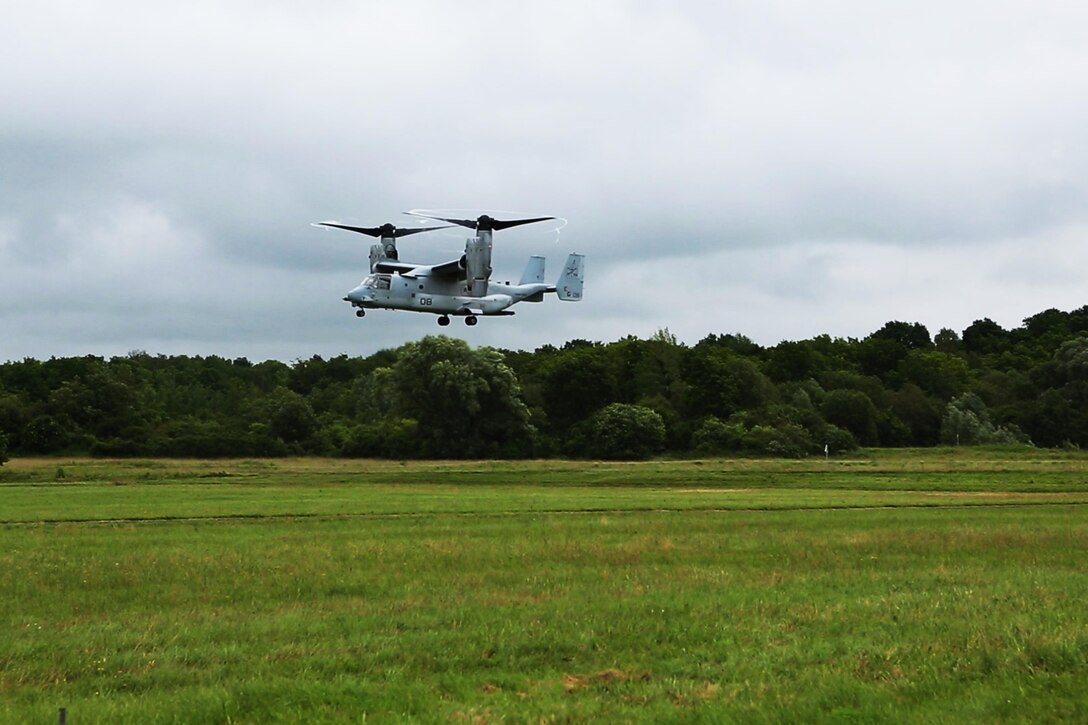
<point x="569" y="286"/>
<point x="534" y="271"/>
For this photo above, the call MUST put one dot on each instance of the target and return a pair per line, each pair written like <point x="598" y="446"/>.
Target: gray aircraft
<point x="461" y="287"/>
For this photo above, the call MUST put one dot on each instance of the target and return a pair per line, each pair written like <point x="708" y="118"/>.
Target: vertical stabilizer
<point x="569" y="286"/>
<point x="534" y="271"/>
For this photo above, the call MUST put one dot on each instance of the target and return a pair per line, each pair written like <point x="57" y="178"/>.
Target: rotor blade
<point x="386" y="230"/>
<point x="406" y="232"/>
<point x="497" y="224"/>
<point x="485" y="223"/>
<point x="369" y="231"/>
<point x="470" y="223"/>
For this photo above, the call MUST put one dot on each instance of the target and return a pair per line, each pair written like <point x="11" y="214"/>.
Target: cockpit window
<point x="376" y="281"/>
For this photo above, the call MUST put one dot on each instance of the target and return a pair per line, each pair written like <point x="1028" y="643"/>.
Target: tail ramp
<point x="534" y="271"/>
<point x="569" y="286"/>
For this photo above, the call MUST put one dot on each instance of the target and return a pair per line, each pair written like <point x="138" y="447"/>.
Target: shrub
<point x="626" y="432"/>
<point x="786" y="440"/>
<point x="44" y="434"/>
<point x="396" y="438"/>
<point x="967" y="422"/>
<point x="715" y="436"/>
<point x="837" y="440"/>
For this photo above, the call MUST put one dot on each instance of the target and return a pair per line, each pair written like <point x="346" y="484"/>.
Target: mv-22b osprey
<point x="461" y="287"/>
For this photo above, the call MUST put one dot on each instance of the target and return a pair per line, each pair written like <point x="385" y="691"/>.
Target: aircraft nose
<point x="357" y="295"/>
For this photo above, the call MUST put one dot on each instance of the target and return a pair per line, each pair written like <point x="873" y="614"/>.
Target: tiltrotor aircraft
<point x="461" y="287"/>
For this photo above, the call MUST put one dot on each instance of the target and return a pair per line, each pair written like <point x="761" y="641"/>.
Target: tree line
<point x="632" y="398"/>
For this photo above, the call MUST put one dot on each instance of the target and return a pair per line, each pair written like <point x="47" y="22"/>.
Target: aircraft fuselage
<point x="440" y="296"/>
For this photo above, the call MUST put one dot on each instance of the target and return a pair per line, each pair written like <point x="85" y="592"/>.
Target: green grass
<point x="912" y="586"/>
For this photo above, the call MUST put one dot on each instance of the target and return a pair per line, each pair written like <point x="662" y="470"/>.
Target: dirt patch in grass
<point x="1012" y="495"/>
<point x="571" y="683"/>
<point x="709" y="490"/>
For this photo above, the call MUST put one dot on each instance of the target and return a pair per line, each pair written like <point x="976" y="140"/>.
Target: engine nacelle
<point x="377" y="254"/>
<point x="477" y="262"/>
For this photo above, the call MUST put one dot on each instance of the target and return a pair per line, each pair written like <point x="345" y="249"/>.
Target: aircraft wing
<point x="448" y="269"/>
<point x="452" y="269"/>
<point x="407" y="269"/>
<point x="391" y="266"/>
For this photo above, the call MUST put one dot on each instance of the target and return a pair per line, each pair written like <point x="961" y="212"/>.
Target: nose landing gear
<point x="360" y="313"/>
<point x="443" y="321"/>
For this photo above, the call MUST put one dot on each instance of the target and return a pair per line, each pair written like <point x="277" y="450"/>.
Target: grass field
<point x="915" y="586"/>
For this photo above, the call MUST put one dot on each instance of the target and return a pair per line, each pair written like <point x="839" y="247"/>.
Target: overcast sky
<point x="774" y="168"/>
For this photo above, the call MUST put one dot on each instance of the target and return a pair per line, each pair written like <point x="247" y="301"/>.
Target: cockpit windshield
<point x="376" y="281"/>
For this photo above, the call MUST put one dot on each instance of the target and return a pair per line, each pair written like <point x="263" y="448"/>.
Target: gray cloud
<point x="765" y="168"/>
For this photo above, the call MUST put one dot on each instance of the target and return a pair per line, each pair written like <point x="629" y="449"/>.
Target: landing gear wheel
<point x="360" y="313"/>
<point x="470" y="320"/>
<point x="443" y="321"/>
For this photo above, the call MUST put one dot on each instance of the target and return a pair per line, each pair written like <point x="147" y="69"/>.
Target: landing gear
<point x="443" y="321"/>
<point x="470" y="320"/>
<point x="360" y="313"/>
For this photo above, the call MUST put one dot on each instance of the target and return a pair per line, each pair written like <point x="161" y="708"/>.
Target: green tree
<point x="188" y="436"/>
<point x="14" y="414"/>
<point x="44" y="434"/>
<point x="881" y="353"/>
<point x="967" y="422"/>
<point x="388" y="438"/>
<point x="775" y="435"/>
<point x="837" y="440"/>
<point x="1052" y="323"/>
<point x="721" y="383"/>
<point x="920" y="413"/>
<point x="96" y="402"/>
<point x="1059" y="416"/>
<point x="854" y="411"/>
<point x="937" y="373"/>
<point x="467" y="402"/>
<point x="291" y="418"/>
<point x="648" y="369"/>
<point x="375" y="395"/>
<point x="626" y="432"/>
<point x="785" y="440"/>
<point x="1072" y="358"/>
<point x="713" y="436"/>
<point x="577" y="381"/>
<point x="1058" y="413"/>
<point x="794" y="361"/>
<point x="910" y="335"/>
<point x="984" y="337"/>
<point x="736" y="343"/>
<point x="946" y="340"/>
<point x="3" y="448"/>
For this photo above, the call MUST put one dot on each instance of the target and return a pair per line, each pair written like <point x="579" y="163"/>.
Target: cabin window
<point x="376" y="281"/>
